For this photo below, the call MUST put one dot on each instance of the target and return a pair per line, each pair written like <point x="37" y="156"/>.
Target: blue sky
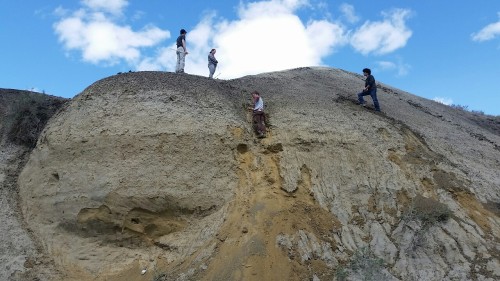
<point x="441" y="50"/>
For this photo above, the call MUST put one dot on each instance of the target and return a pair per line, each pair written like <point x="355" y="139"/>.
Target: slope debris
<point x="23" y="115"/>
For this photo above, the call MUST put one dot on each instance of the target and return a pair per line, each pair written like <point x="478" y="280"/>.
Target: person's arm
<point x="369" y="83"/>
<point x="212" y="58"/>
<point x="184" y="46"/>
<point x="253" y="104"/>
<point x="259" y="105"/>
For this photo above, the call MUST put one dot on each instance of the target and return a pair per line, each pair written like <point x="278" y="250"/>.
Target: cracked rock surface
<point x="160" y="171"/>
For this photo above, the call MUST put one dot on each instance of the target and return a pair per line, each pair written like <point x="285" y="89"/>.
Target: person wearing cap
<point x="181" y="52"/>
<point x="370" y="89"/>
<point x="212" y="63"/>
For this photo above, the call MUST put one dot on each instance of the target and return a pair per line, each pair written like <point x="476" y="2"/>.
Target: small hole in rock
<point x="242" y="148"/>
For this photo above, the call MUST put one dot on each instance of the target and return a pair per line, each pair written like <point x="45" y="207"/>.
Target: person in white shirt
<point x="181" y="52"/>
<point x="259" y="117"/>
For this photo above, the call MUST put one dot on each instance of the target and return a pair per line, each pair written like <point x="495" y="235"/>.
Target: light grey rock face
<point x="366" y="168"/>
<point x="147" y="165"/>
<point x="15" y="244"/>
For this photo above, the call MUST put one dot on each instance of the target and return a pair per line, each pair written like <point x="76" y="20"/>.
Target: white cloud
<point x="488" y="32"/>
<point x="386" y="65"/>
<point x="384" y="36"/>
<point x="270" y="8"/>
<point x="446" y="101"/>
<point x="270" y="36"/>
<point x="114" y="7"/>
<point x="267" y="36"/>
<point x="401" y="68"/>
<point x="101" y="40"/>
<point x="138" y="15"/>
<point x="349" y="13"/>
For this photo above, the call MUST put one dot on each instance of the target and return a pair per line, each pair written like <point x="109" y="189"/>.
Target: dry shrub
<point x="27" y="116"/>
<point x="429" y="211"/>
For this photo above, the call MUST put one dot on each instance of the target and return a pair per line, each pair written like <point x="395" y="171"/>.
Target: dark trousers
<point x="259" y="121"/>
<point x="373" y="94"/>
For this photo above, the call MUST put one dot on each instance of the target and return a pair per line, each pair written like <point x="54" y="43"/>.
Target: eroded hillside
<point x="157" y="176"/>
<point x="23" y="115"/>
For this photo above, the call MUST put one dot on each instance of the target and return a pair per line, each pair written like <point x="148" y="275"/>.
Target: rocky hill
<point x="158" y="176"/>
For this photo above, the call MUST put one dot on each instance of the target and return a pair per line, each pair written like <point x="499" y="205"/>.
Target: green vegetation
<point x="364" y="265"/>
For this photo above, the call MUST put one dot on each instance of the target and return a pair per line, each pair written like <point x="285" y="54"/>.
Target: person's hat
<point x="183" y="31"/>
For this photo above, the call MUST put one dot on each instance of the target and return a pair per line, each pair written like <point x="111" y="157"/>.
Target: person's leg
<point x="261" y="126"/>
<point x="211" y="69"/>
<point x="258" y="120"/>
<point x="263" y="123"/>
<point x="177" y="65"/>
<point x="373" y="94"/>
<point x="360" y="97"/>
<point x="182" y="57"/>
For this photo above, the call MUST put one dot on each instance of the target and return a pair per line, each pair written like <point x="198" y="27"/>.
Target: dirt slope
<point x="162" y="172"/>
<point x="23" y="115"/>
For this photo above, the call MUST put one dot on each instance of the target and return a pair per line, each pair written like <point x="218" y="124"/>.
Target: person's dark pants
<point x="259" y="120"/>
<point x="373" y="94"/>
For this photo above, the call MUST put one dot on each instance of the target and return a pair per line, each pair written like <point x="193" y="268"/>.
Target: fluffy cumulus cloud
<point x="488" y="32"/>
<point x="265" y="36"/>
<point x="92" y="30"/>
<point x="382" y="37"/>
<point x="274" y="38"/>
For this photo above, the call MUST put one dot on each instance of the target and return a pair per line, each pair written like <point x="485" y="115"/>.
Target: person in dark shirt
<point x="181" y="52"/>
<point x="370" y="89"/>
